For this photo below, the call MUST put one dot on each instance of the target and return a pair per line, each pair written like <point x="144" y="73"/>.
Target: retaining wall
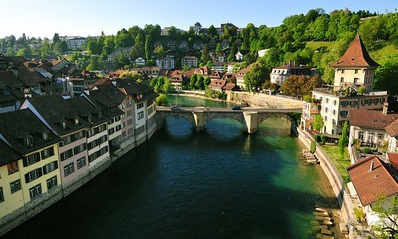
<point x="335" y="179"/>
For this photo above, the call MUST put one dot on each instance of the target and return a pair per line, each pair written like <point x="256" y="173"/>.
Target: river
<point x="220" y="183"/>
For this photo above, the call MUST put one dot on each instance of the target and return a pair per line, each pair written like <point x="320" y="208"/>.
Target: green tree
<point x="55" y="38"/>
<point x="205" y="54"/>
<point x="318" y="123"/>
<point x="255" y="76"/>
<point x="148" y="47"/>
<point x="387" y="210"/>
<point x="95" y="63"/>
<point x="207" y="82"/>
<point x="25" y="52"/>
<point x="159" y="51"/>
<point x="386" y="74"/>
<point x="200" y="82"/>
<point x="167" y="86"/>
<point x="60" y="47"/>
<point x="343" y="141"/>
<point x="162" y="100"/>
<point x="192" y="81"/>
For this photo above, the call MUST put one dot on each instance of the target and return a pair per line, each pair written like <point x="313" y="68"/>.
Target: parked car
<point x="244" y="104"/>
<point x="174" y="107"/>
<point x="236" y="107"/>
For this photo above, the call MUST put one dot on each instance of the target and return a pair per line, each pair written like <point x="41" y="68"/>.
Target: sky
<point x="43" y="18"/>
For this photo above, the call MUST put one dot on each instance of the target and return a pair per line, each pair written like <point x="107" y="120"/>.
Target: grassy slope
<point x="377" y="55"/>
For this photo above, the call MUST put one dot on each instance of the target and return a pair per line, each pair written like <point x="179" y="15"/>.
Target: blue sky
<point x="42" y="18"/>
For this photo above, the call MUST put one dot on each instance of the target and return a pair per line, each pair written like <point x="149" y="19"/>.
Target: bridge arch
<point x="249" y="119"/>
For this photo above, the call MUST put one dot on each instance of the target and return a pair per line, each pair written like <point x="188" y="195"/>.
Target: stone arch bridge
<point x="250" y="118"/>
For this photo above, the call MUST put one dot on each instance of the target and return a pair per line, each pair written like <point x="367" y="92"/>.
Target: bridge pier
<point x="199" y="119"/>
<point x="250" y="122"/>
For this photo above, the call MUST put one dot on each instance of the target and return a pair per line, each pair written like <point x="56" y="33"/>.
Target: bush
<point x="317" y="138"/>
<point x="323" y="139"/>
<point x="312" y="147"/>
<point x="162" y="100"/>
<point x="367" y="150"/>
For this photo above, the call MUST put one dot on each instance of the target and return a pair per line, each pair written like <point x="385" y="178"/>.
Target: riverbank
<point x="333" y="187"/>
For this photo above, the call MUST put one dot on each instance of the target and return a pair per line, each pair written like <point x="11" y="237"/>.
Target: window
<point x="360" y="135"/>
<point x="356" y="81"/>
<point x="81" y="162"/>
<point x="342" y="71"/>
<point x="141" y="115"/>
<point x="140" y="105"/>
<point x="67" y="154"/>
<point x="370" y="137"/>
<point x="52" y="182"/>
<point x="12" y="167"/>
<point x="326" y="109"/>
<point x="46" y="135"/>
<point x="31" y="159"/>
<point x="1" y="195"/>
<point x="47" y="153"/>
<point x="15" y="186"/>
<point x="34" y="174"/>
<point x="35" y="191"/>
<point x="111" y="131"/>
<point x="79" y="148"/>
<point x="68" y="169"/>
<point x="28" y="140"/>
<point x="50" y="167"/>
<point x="326" y="118"/>
<point x="356" y="71"/>
<point x="342" y="80"/>
<point x="334" y="112"/>
<point x="118" y="127"/>
<point x="327" y="100"/>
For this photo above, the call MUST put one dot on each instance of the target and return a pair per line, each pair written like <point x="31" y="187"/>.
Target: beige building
<point x="355" y="69"/>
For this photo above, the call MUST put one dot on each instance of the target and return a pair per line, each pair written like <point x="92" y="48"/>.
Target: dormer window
<point x="76" y="121"/>
<point x="63" y="125"/>
<point x="28" y="141"/>
<point x="45" y="135"/>
<point x="100" y="115"/>
<point x="89" y="118"/>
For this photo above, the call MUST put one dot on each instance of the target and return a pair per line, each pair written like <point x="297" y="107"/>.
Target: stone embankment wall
<point x="265" y="100"/>
<point x="336" y="181"/>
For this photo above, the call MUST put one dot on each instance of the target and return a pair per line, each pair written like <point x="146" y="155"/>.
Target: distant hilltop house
<point x="189" y="62"/>
<point x="279" y="74"/>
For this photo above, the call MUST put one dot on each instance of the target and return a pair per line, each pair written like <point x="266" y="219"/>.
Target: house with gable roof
<point x="108" y="98"/>
<point x="31" y="176"/>
<point x="368" y="126"/>
<point x="72" y="120"/>
<point x="372" y="180"/>
<point x="353" y="70"/>
<point x="143" y="108"/>
<point x="279" y="74"/>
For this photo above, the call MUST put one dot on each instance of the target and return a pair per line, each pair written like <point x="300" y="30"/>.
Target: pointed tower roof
<point x="356" y="55"/>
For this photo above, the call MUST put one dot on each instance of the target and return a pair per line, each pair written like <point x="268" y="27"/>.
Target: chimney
<point x="385" y="108"/>
<point x="372" y="164"/>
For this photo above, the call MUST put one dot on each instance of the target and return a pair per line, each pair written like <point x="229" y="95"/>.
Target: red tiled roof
<point x="393" y="157"/>
<point x="392" y="128"/>
<point x="372" y="183"/>
<point x="356" y="55"/>
<point x="371" y="118"/>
